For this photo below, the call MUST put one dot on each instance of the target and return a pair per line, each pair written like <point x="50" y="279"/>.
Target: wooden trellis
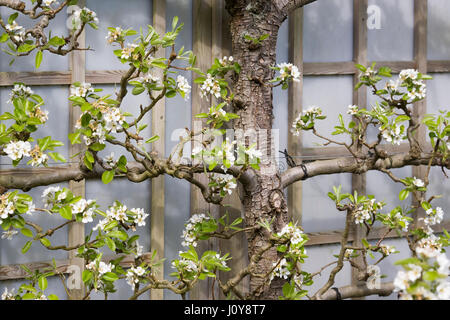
<point x="211" y="40"/>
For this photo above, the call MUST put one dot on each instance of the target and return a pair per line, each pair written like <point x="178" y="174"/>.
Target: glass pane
<point x="318" y="257"/>
<point x="57" y="126"/>
<point x="390" y="30"/>
<point x="438" y="26"/>
<point x="319" y="211"/>
<point x="331" y="41"/>
<point x="10" y="250"/>
<point x="280" y="99"/>
<point x="338" y="96"/>
<point x="50" y="62"/>
<point x="125" y="14"/>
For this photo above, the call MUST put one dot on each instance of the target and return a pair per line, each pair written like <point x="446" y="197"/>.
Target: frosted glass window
<point x="57" y="126"/>
<point x="125" y="14"/>
<point x="10" y="251"/>
<point x="280" y="100"/>
<point x="50" y="62"/>
<point x="438" y="94"/>
<point x="328" y="31"/>
<point x="391" y="37"/>
<point x="438" y="26"/>
<point x="132" y="195"/>
<point x="319" y="212"/>
<point x="178" y="117"/>
<point x="332" y="94"/>
<point x="319" y="256"/>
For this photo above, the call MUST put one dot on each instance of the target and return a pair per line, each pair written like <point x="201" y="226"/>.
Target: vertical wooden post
<point x="359" y="99"/>
<point x="420" y="58"/>
<point x="295" y="106"/>
<point x="158" y="128"/>
<point x="76" y="230"/>
<point x="202" y="45"/>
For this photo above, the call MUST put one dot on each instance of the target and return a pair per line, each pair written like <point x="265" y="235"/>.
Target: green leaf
<point x="138" y="90"/>
<point x="38" y="59"/>
<point x="43" y="284"/>
<point x="66" y="212"/>
<point x="56" y="41"/>
<point x="89" y="157"/>
<point x="26" y="247"/>
<point x="53" y="297"/>
<point x="45" y="242"/>
<point x="110" y="276"/>
<point x="97" y="147"/>
<point x="86" y="276"/>
<point x="152" y="139"/>
<point x="110" y="243"/>
<point x="27" y="232"/>
<point x="107" y="176"/>
<point x="121" y="235"/>
<point x="403" y="194"/>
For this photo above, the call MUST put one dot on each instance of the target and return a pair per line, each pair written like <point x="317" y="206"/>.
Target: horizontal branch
<point x="358" y="291"/>
<point x="352" y="165"/>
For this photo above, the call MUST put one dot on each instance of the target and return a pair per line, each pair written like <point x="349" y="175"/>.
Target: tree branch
<point x="357" y="291"/>
<point x="352" y="165"/>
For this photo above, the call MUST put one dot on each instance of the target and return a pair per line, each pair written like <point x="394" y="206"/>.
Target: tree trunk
<point x="253" y="103"/>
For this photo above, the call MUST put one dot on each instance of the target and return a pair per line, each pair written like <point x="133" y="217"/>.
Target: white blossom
<point x="8" y="235"/>
<point x="17" y="149"/>
<point x="289" y="70"/>
<point x="83" y="90"/>
<point x="127" y="52"/>
<point x="183" y="86"/>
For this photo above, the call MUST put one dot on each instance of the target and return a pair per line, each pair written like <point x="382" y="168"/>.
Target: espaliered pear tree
<point x="240" y="89"/>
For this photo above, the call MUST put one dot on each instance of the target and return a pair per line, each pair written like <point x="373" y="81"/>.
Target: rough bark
<point x="253" y="103"/>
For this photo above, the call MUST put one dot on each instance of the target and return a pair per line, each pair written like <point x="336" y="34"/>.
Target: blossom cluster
<point x="210" y="86"/>
<point x="81" y="90"/>
<point x="416" y="87"/>
<point x="226" y="61"/>
<point x="305" y="120"/>
<point x="288" y="70"/>
<point x="189" y="235"/>
<point x="185" y="265"/>
<point x="223" y="184"/>
<point x="7" y="207"/>
<point x="434" y="216"/>
<point x="424" y="280"/>
<point x="183" y="87"/>
<point x="16" y="31"/>
<point x="129" y="52"/>
<point x="114" y="34"/>
<point x="394" y="134"/>
<point x="20" y="91"/>
<point x="100" y="268"/>
<point x="366" y="209"/>
<point x="133" y="275"/>
<point x="120" y="213"/>
<point x="83" y="15"/>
